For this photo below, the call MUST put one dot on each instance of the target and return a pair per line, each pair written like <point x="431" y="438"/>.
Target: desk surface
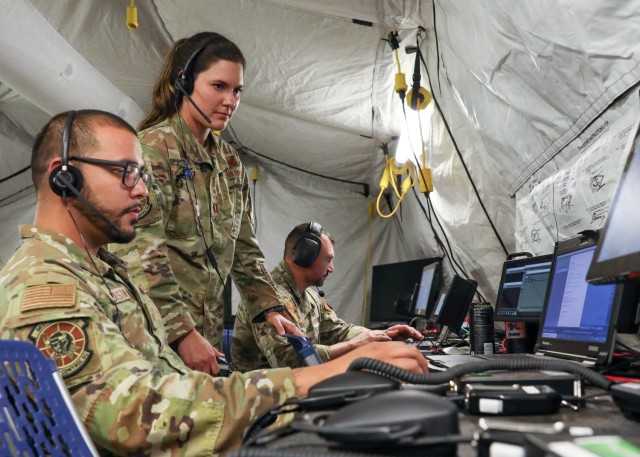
<point x="601" y="414"/>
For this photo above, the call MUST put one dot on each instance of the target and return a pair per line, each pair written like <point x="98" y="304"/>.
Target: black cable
<point x="19" y="172"/>
<point x="255" y="209"/>
<point x="238" y="145"/>
<point x="2" y="202"/>
<point x="117" y="318"/>
<point x="435" y="36"/>
<point x="627" y="348"/>
<point x="464" y="165"/>
<point x="506" y="363"/>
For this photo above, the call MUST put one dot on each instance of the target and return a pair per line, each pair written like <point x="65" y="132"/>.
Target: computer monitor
<point x="456" y="303"/>
<point x="390" y="281"/>
<point x="427" y="291"/>
<point x="523" y="286"/>
<point x="617" y="256"/>
<point x="437" y="309"/>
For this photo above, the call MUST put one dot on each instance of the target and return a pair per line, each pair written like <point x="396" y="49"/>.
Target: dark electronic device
<point x="388" y="282"/>
<point x="617" y="256"/>
<point x="508" y="400"/>
<point x="354" y="383"/>
<point x="627" y="396"/>
<point x="388" y="421"/>
<point x="578" y="318"/>
<point x="456" y="305"/>
<point x="522" y="289"/>
<point x="304" y="348"/>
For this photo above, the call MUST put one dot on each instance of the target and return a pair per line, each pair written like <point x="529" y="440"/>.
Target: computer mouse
<point x="409" y="341"/>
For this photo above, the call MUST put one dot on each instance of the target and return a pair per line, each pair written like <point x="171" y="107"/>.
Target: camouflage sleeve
<point x="333" y="329"/>
<point x="152" y="246"/>
<point x="277" y="349"/>
<point x="249" y="270"/>
<point x="131" y="405"/>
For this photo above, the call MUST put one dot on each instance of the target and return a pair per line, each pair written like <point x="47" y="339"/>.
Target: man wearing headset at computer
<point x="308" y="260"/>
<point x="64" y="293"/>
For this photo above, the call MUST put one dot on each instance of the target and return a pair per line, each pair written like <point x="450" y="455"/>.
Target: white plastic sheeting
<point x="521" y="84"/>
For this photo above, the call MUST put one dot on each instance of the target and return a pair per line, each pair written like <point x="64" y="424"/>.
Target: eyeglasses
<point x="131" y="172"/>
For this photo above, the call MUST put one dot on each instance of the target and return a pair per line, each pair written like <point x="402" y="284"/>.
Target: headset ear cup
<point x="307" y="250"/>
<point x="184" y="84"/>
<point x="72" y="175"/>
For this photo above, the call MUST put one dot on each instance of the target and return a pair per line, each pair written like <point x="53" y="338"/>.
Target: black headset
<point x="184" y="81"/>
<point x="65" y="178"/>
<point x="307" y="249"/>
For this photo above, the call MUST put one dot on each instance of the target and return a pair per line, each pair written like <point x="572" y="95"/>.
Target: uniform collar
<point x="105" y="261"/>
<point x="197" y="153"/>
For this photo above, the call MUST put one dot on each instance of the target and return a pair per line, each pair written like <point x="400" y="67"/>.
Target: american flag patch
<point x="48" y="295"/>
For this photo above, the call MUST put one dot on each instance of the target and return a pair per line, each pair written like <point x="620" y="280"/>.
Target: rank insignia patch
<point x="64" y="341"/>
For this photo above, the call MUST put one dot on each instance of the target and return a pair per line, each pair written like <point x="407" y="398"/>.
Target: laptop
<point x="522" y="290"/>
<point x="578" y="319"/>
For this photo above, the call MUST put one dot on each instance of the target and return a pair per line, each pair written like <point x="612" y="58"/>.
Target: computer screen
<point x="577" y="310"/>
<point x="388" y="282"/>
<point x="439" y="304"/>
<point x="523" y="286"/>
<point x="427" y="291"/>
<point x="618" y="254"/>
<point x="457" y="302"/>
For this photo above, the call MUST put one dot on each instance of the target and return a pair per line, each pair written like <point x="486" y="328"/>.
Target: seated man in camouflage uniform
<point x="63" y="292"/>
<point x="308" y="260"/>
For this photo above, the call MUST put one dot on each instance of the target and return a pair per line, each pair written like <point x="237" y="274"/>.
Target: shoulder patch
<point x="64" y="341"/>
<point x="48" y="296"/>
<point x="150" y="211"/>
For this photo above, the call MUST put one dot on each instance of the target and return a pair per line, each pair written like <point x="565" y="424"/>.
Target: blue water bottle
<point x="305" y="349"/>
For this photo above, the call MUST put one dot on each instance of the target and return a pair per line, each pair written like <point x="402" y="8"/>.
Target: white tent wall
<point x="516" y="81"/>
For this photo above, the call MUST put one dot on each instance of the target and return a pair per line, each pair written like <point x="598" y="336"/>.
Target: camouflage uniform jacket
<point x="133" y="393"/>
<point x="259" y="346"/>
<point x="168" y="257"/>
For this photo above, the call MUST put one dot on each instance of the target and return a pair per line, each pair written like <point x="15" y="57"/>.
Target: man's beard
<point x="319" y="282"/>
<point x="113" y="235"/>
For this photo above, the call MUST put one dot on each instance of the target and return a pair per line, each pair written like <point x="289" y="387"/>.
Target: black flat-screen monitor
<point x="427" y="294"/>
<point x="388" y="282"/>
<point x="457" y="302"/>
<point x="617" y="256"/>
<point x="523" y="286"/>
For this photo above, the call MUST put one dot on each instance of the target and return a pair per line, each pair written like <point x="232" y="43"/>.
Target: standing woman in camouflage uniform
<point x="197" y="225"/>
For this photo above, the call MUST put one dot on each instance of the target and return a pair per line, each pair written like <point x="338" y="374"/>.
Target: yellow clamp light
<point x="132" y="16"/>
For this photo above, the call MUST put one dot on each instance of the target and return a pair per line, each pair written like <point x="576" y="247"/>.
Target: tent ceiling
<point x="516" y="84"/>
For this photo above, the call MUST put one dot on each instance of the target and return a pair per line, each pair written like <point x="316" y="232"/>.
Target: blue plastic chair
<point x="37" y="416"/>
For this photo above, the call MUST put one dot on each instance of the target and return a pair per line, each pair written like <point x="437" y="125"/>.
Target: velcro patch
<point x="48" y="296"/>
<point x="64" y="341"/>
<point x="121" y="294"/>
